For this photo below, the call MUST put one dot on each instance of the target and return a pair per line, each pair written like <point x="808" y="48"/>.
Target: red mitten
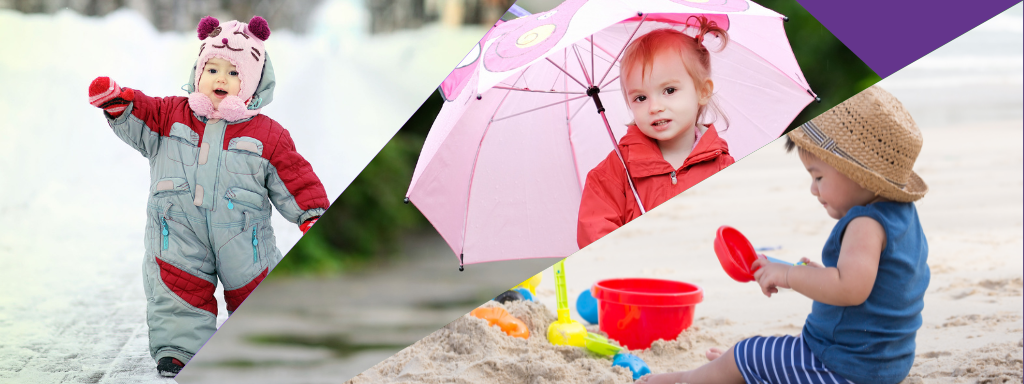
<point x="104" y="93"/>
<point x="307" y="225"/>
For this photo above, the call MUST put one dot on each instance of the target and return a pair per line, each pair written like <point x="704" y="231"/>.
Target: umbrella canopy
<point x="503" y="168"/>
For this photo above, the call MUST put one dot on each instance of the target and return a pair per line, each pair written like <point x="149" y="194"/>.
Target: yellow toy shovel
<point x="530" y="284"/>
<point x="565" y="331"/>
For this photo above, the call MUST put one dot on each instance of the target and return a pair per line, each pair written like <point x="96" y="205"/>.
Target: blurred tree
<point x="392" y="15"/>
<point x="833" y="71"/>
<point x="366" y="220"/>
<point x="184" y="15"/>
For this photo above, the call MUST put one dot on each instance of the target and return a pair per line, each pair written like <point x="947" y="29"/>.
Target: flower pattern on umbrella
<point x="530" y="37"/>
<point x="716" y="5"/>
<point x="453" y="85"/>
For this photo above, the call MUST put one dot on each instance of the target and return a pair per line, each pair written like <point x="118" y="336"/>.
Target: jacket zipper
<point x="164" y="232"/>
<point x="673" y="175"/>
<point x="703" y="158"/>
<point x="231" y="204"/>
<point x="255" y="242"/>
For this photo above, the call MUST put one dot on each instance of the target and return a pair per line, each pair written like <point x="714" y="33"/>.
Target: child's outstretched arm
<point x="104" y="93"/>
<point x="847" y="284"/>
<point x="293" y="187"/>
<point x="137" y="119"/>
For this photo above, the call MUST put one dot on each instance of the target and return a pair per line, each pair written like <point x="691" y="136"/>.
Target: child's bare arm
<point x="851" y="281"/>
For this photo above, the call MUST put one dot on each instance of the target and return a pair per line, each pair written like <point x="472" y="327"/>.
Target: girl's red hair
<point x="691" y="49"/>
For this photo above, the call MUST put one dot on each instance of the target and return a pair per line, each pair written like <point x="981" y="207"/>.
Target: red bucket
<point x="636" y="312"/>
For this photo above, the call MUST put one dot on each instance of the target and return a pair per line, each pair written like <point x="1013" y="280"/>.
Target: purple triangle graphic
<point x="890" y="34"/>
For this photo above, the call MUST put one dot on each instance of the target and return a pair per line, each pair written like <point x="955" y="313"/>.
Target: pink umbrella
<point x="502" y="170"/>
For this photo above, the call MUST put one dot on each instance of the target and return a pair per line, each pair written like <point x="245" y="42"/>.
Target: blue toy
<point x="586" y="306"/>
<point x="526" y="293"/>
<point x="633" y="363"/>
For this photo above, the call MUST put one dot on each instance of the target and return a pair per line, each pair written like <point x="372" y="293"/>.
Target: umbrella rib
<point x="603" y="49"/>
<point x="572" y="147"/>
<point x="536" y="91"/>
<point x="565" y="72"/>
<point x="592" y="68"/>
<point x="624" y="46"/>
<point x="577" y="110"/>
<point x="538" y="108"/>
<point x="476" y="158"/>
<point x="582" y="67"/>
<point x="609" y="81"/>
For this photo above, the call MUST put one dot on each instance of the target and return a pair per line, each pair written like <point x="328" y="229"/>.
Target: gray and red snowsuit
<point x="208" y="216"/>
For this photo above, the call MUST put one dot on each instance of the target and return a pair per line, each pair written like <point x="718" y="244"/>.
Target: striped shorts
<point x="779" y="360"/>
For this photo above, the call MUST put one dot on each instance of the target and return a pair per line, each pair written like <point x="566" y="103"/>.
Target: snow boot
<point x="169" y="366"/>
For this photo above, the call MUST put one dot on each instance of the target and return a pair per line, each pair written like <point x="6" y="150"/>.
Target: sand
<point x="972" y="332"/>
<point x="468" y="350"/>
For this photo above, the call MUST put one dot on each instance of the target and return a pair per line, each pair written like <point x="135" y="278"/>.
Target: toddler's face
<point x="666" y="102"/>
<point x="836" y="192"/>
<point x="219" y="80"/>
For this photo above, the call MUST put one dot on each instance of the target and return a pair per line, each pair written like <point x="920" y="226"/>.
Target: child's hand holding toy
<point x="771" y="276"/>
<point x="806" y="261"/>
<point x="104" y="93"/>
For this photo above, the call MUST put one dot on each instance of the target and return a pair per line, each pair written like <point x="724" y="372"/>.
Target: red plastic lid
<point x="735" y="253"/>
<point x="648" y="292"/>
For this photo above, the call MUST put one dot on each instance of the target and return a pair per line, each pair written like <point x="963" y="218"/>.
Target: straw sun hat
<point x="871" y="139"/>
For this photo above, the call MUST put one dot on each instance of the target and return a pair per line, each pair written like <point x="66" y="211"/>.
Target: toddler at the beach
<point x="214" y="163"/>
<point x="671" y="145"/>
<point x="869" y="293"/>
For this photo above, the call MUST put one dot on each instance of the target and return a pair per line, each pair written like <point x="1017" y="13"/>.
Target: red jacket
<point x="607" y="201"/>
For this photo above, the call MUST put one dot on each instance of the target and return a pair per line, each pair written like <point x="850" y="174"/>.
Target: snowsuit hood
<point x="250" y="98"/>
<point x="608" y="203"/>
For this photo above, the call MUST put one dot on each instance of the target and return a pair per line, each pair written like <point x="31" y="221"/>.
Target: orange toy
<point x="500" y="317"/>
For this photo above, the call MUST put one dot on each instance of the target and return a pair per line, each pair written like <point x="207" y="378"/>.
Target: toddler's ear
<point x="706" y="90"/>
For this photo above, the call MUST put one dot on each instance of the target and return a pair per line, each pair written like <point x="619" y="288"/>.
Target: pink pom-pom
<point x="258" y="27"/>
<point x="207" y="25"/>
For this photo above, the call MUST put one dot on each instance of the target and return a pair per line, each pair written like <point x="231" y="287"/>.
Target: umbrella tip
<point x="478" y="97"/>
<point x="639" y="14"/>
<point x="816" y="98"/>
<point x="461" y="259"/>
<point x="461" y="268"/>
<point x="406" y="200"/>
<point x="785" y="18"/>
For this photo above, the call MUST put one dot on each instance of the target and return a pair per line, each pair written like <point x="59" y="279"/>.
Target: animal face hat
<point x="242" y="45"/>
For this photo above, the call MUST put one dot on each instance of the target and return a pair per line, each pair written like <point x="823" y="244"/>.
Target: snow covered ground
<point x="72" y="195"/>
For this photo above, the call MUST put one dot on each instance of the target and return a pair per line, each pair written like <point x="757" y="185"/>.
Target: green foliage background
<point x="370" y="215"/>
<point x="368" y="219"/>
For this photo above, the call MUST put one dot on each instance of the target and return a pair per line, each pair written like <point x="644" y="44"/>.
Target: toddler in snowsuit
<point x="214" y="164"/>
<point x="666" y="81"/>
<point x="869" y="290"/>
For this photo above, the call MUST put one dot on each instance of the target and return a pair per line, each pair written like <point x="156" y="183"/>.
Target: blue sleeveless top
<point x="874" y="342"/>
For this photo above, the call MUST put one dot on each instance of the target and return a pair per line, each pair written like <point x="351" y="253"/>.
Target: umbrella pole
<point x="593" y="92"/>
